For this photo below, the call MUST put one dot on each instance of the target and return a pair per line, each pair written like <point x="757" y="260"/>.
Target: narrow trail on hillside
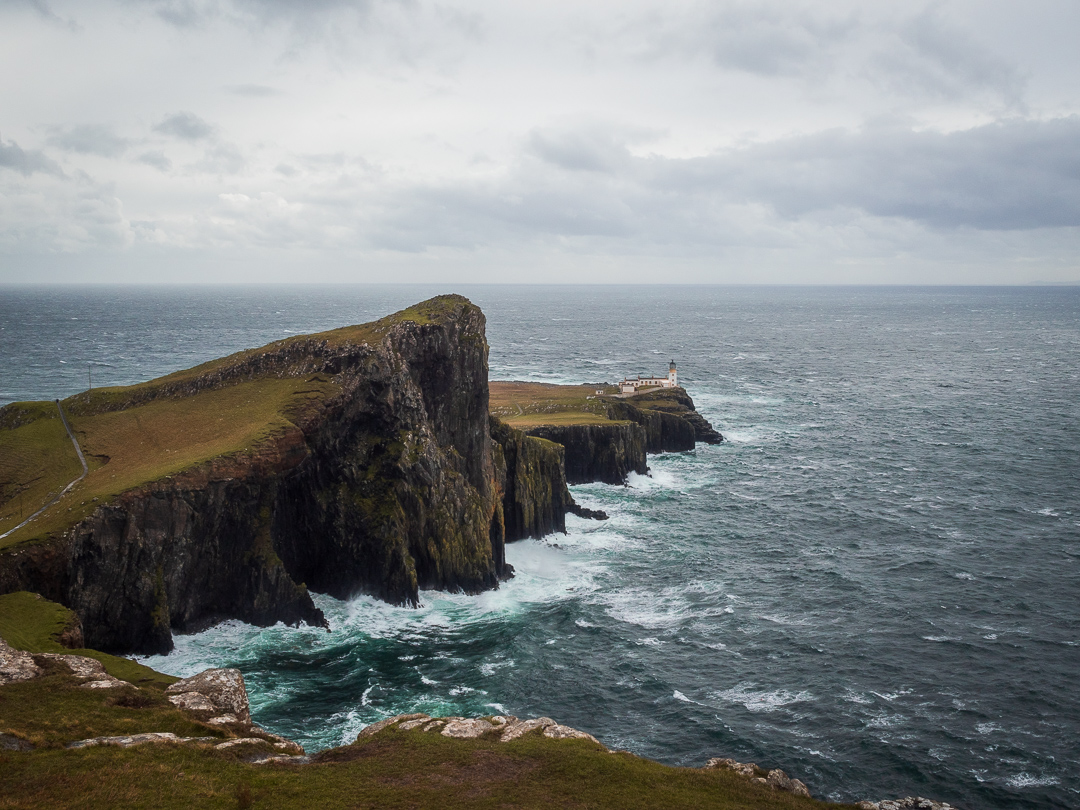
<point x="65" y="490"/>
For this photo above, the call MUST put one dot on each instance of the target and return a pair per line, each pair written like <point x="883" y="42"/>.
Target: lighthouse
<point x="672" y="375"/>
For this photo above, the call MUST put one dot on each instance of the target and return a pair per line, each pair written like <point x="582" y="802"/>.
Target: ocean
<point x="872" y="584"/>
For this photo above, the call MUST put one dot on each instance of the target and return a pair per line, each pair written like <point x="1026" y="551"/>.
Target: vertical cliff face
<point x="398" y="491"/>
<point x="665" y="421"/>
<point x="530" y="474"/>
<point x="381" y="480"/>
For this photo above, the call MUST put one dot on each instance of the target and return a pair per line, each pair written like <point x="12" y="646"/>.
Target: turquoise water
<point x="872" y="584"/>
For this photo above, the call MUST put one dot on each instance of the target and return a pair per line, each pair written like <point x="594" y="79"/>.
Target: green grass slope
<point x="133" y="435"/>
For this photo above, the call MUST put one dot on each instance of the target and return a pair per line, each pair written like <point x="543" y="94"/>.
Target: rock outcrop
<point x="503" y="727"/>
<point x="385" y="485"/>
<point x="656" y="422"/>
<point x="775" y="778"/>
<point x="218" y="693"/>
<point x="907" y="803"/>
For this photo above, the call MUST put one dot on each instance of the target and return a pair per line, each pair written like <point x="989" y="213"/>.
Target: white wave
<point x="886" y="721"/>
<point x="1025" y="780"/>
<point x="787" y="621"/>
<point x="987" y="728"/>
<point x="666" y="609"/>
<point x="656" y="479"/>
<point x="851" y="696"/>
<point x="649" y="642"/>
<point x="761" y="700"/>
<point x="680" y="696"/>
<point x="491" y="667"/>
<point x="940" y="639"/>
<point x="891" y="696"/>
<point x="964" y="575"/>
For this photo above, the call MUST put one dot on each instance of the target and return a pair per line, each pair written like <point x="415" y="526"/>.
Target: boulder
<point x="465" y="728"/>
<point x="907" y="803"/>
<point x="411" y="724"/>
<point x="16" y="665"/>
<point x="557" y="732"/>
<point x="515" y="730"/>
<point x="80" y="665"/>
<point x="375" y="728"/>
<point x="192" y="702"/>
<point x="223" y="688"/>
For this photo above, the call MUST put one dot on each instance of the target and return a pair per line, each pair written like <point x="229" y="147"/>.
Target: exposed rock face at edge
<point x="657" y="422"/>
<point x="389" y="488"/>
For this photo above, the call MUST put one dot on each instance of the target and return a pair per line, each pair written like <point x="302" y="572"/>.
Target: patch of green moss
<point x="32" y="623"/>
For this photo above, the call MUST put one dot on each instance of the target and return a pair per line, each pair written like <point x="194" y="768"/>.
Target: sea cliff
<point x="372" y="470"/>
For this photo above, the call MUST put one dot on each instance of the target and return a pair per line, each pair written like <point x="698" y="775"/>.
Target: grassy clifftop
<point x="391" y="769"/>
<point x="134" y="435"/>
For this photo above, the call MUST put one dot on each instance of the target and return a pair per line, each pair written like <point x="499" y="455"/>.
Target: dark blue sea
<point x="874" y="583"/>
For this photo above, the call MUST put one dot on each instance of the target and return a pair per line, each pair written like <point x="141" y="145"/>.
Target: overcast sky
<point x="491" y="140"/>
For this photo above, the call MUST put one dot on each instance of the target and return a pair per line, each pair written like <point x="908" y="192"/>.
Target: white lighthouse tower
<point x="672" y="375"/>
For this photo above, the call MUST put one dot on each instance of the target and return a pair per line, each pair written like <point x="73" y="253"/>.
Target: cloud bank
<point x="633" y="141"/>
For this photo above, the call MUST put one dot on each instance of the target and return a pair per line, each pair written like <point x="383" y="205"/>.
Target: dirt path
<point x="64" y="491"/>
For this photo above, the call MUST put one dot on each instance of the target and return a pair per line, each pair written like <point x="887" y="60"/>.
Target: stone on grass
<point x="558" y="732"/>
<point x="375" y="728"/>
<point x="516" y="730"/>
<point x="16" y="665"/>
<point x="464" y="728"/>
<point x="408" y="725"/>
<point x="223" y="687"/>
<point x="192" y="702"/>
<point x="139" y="739"/>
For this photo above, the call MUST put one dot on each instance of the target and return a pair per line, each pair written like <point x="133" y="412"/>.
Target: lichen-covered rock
<point x="779" y="780"/>
<point x="907" y="803"/>
<point x="375" y="728"/>
<point x="139" y="739"/>
<point x="192" y="702"/>
<point x="464" y="728"/>
<point x="519" y="729"/>
<point x="558" y="732"/>
<point x="16" y="665"/>
<point x="81" y="666"/>
<point x="776" y="778"/>
<point x="223" y="688"/>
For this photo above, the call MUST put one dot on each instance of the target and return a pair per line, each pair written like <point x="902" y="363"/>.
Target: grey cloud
<point x="764" y="39"/>
<point x="46" y="13"/>
<point x="157" y="159"/>
<point x="89" y="139"/>
<point x="186" y="126"/>
<point x="1011" y="175"/>
<point x="223" y="158"/>
<point x="579" y="150"/>
<point x="254" y="90"/>
<point x="928" y="55"/>
<point x="14" y="157"/>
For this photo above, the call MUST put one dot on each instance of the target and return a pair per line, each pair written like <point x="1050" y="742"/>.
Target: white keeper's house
<point x="631" y="385"/>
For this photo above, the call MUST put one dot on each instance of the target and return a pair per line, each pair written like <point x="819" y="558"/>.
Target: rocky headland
<point x="361" y="460"/>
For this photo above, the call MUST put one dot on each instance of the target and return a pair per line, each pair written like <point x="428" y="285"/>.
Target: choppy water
<point x="873" y="584"/>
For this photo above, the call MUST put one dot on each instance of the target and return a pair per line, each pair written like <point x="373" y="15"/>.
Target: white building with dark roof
<point x="631" y="385"/>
